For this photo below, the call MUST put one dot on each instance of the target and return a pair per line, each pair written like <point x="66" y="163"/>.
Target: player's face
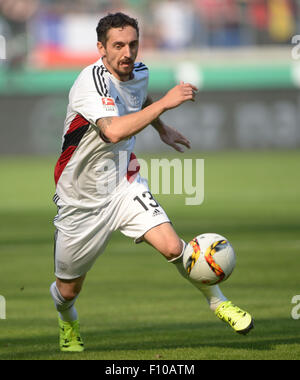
<point x="120" y="51"/>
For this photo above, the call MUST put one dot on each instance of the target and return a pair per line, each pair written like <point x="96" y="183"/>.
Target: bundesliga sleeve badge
<point x="109" y="104"/>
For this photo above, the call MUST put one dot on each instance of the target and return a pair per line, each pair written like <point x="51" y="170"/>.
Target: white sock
<point x="212" y="293"/>
<point x="69" y="315"/>
<point x="66" y="309"/>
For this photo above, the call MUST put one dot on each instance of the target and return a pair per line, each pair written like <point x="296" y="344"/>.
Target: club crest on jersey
<point x="108" y="104"/>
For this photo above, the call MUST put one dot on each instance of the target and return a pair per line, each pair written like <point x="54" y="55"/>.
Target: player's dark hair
<point x="116" y="20"/>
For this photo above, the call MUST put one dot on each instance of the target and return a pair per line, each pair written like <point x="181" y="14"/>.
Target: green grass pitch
<point x="134" y="304"/>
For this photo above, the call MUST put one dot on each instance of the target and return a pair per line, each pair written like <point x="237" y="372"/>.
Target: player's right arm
<point x="117" y="128"/>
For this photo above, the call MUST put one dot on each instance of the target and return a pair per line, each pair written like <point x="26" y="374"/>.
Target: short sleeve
<point x="90" y="98"/>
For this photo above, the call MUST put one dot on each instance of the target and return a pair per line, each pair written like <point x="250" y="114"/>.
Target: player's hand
<point x="172" y="137"/>
<point x="179" y="94"/>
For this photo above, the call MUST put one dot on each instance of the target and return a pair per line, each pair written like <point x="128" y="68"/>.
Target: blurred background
<point x="244" y="55"/>
<point x="241" y="54"/>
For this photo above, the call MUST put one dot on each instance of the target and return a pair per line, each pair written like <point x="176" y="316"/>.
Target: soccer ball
<point x="209" y="259"/>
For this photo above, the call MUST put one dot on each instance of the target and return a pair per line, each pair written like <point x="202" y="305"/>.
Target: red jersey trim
<point x="133" y="168"/>
<point x="77" y="122"/>
<point x="72" y="138"/>
<point x="63" y="161"/>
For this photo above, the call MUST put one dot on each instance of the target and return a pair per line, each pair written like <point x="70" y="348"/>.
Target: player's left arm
<point x="168" y="135"/>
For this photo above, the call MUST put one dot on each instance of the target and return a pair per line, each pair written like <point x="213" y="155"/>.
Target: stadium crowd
<point x="166" y="24"/>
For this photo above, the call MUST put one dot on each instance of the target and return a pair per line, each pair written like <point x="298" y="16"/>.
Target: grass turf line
<point x="141" y="308"/>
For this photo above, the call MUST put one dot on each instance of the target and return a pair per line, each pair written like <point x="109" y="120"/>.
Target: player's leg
<point x="64" y="294"/>
<point x="141" y="217"/>
<point x="166" y="241"/>
<point x="79" y="240"/>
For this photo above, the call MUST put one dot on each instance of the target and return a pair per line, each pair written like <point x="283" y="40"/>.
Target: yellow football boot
<point x="238" y="319"/>
<point x="69" y="336"/>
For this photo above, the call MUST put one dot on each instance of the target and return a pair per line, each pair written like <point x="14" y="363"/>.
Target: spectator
<point x="174" y="24"/>
<point x="16" y="13"/>
<point x="221" y="20"/>
<point x="259" y="19"/>
<point x="281" y="21"/>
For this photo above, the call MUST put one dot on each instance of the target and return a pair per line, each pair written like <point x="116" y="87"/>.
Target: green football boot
<point x="238" y="319"/>
<point x="69" y="336"/>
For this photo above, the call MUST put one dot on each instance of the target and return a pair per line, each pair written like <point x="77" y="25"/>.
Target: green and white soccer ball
<point x="209" y="259"/>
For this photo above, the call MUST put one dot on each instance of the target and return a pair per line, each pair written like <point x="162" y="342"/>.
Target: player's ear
<point x="101" y="49"/>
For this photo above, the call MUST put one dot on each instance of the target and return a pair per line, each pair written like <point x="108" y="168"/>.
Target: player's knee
<point x="173" y="249"/>
<point x="69" y="291"/>
<point x="69" y="294"/>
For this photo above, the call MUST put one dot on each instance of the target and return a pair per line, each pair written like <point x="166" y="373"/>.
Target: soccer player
<point x="98" y="187"/>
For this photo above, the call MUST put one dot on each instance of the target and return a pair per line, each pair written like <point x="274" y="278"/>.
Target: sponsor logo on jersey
<point x="157" y="212"/>
<point x="109" y="104"/>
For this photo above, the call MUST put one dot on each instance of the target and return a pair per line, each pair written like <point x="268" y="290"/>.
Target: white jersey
<point x="90" y="169"/>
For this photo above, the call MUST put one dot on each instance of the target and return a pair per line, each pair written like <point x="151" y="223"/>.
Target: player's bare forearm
<point x="118" y="128"/>
<point x="156" y="123"/>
